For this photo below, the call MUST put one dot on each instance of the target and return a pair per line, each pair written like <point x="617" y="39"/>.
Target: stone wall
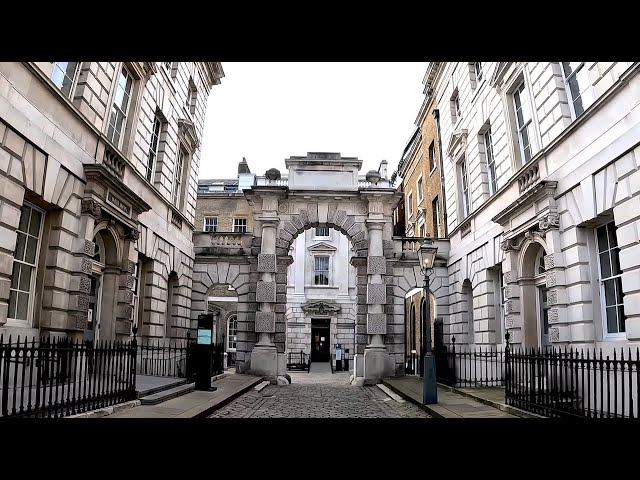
<point x="224" y="206"/>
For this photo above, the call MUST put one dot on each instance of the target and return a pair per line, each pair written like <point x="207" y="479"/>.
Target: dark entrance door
<point x="320" y="347"/>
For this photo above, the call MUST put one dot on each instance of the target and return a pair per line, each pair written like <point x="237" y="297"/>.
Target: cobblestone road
<point x="318" y="395"/>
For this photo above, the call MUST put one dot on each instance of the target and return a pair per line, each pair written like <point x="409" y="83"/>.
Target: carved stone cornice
<point x="320" y="308"/>
<point x="549" y="221"/>
<point x="514" y="244"/>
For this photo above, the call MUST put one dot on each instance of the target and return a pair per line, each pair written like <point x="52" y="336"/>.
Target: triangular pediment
<point x="322" y="247"/>
<point x="457" y="142"/>
<point x="187" y="132"/>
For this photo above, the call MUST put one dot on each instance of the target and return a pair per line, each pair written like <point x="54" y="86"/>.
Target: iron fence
<point x="470" y="367"/>
<point x="571" y="383"/>
<point x="57" y="378"/>
<point x="162" y="358"/>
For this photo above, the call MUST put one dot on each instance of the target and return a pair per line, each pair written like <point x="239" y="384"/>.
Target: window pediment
<point x="457" y="143"/>
<point x="187" y="133"/>
<point x="322" y="247"/>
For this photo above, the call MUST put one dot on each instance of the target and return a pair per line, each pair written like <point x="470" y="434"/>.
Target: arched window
<point x="413" y="326"/>
<point x="232" y="332"/>
<point x="98" y="254"/>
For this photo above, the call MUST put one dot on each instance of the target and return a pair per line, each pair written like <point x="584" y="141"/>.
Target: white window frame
<point x="421" y="229"/>
<point x="152" y="156"/>
<point x="419" y="190"/>
<point x="456" y="111"/>
<point x="125" y="113"/>
<point x="215" y="223"/>
<point x="74" y="78"/>
<point x="432" y="158"/>
<point x="603" y="299"/>
<point x="16" y="322"/>
<point x="410" y="204"/>
<point x="232" y="318"/>
<point x="568" y="90"/>
<point x="436" y="211"/>
<point x="322" y="236"/>
<point x="246" y="224"/>
<point x="465" y="194"/>
<point x="490" y="160"/>
<point x="328" y="270"/>
<point x="528" y="124"/>
<point x="176" y="190"/>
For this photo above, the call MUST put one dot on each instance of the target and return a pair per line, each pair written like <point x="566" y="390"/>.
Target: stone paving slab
<point x="450" y="404"/>
<point x="197" y="403"/>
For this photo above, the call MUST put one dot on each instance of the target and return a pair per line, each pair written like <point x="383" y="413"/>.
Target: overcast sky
<point x="267" y="112"/>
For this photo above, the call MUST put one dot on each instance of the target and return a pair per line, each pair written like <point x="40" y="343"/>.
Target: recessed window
<point x="578" y="87"/>
<point x="610" y="279"/>
<point x="432" y="156"/>
<point x="322" y="231"/>
<point x="25" y="259"/>
<point x="321" y="270"/>
<point x="210" y="224"/>
<point x="524" y="122"/>
<point x="410" y="204"/>
<point x="192" y="97"/>
<point x="435" y="211"/>
<point x="477" y="68"/>
<point x="491" y="162"/>
<point x="153" y="147"/>
<point x="177" y="176"/>
<point x="63" y="75"/>
<point x="240" y="225"/>
<point x="421" y="230"/>
<point x="455" y="107"/>
<point x="419" y="190"/>
<point x="120" y="108"/>
<point x="232" y="333"/>
<point x="463" y="185"/>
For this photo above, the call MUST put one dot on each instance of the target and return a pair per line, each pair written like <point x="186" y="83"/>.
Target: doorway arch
<point x="534" y="303"/>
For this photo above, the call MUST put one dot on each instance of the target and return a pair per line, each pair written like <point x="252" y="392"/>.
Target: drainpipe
<point x="436" y="115"/>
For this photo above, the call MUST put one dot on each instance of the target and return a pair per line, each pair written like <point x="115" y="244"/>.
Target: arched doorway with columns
<point x="534" y="294"/>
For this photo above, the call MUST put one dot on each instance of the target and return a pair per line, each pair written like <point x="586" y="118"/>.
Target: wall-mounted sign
<point x="119" y="204"/>
<point x="204" y="336"/>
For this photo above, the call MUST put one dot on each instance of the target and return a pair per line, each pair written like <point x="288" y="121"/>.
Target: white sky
<point x="267" y="112"/>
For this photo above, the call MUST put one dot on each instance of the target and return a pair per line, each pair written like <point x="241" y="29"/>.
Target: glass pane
<point x="24" y="218"/>
<point x="12" y="304"/>
<point x="605" y="266"/>
<point x="32" y="245"/>
<point x="23" y="305"/>
<point x="612" y="320"/>
<point x="117" y="98"/>
<point x="570" y="67"/>
<point x="20" y="244"/>
<point x="57" y="76"/>
<point x="618" y="284"/>
<point x="615" y="261"/>
<point x="609" y="292"/>
<point x="25" y="277"/>
<point x="613" y="238"/>
<point x="119" y="122"/>
<point x="15" y="275"/>
<point x="621" y="319"/>
<point x="601" y="233"/>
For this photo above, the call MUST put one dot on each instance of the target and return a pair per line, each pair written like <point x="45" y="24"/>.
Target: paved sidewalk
<point x="195" y="404"/>
<point x="450" y="404"/>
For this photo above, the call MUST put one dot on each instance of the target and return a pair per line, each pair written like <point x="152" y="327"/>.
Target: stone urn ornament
<point x="272" y="174"/>
<point x="373" y="176"/>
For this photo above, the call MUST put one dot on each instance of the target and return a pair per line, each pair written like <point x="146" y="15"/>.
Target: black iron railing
<point x="571" y="383"/>
<point x="58" y="378"/>
<point x="162" y="358"/>
<point x="470" y="367"/>
<point x="299" y="361"/>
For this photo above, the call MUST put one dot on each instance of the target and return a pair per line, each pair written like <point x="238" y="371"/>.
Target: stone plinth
<point x="377" y="365"/>
<point x="264" y="361"/>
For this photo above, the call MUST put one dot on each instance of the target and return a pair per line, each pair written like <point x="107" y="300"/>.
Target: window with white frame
<point x="432" y="156"/>
<point x="232" y="333"/>
<point x="64" y="75"/>
<point x="210" y="224"/>
<point x="421" y="231"/>
<point x="477" y="68"/>
<point x="463" y="187"/>
<point x="578" y="87"/>
<point x="240" y="225"/>
<point x="455" y="107"/>
<point x="321" y="270"/>
<point x="419" y="190"/>
<point x="120" y="108"/>
<point x="25" y="259"/>
<point x="491" y="161"/>
<point x="435" y="211"/>
<point x="524" y="123"/>
<point x="192" y="97"/>
<point x="154" y="145"/>
<point x="322" y="231"/>
<point x="177" y="176"/>
<point x="410" y="204"/>
<point x="610" y="278"/>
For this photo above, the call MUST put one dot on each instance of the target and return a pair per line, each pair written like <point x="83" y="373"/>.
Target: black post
<point x="430" y="391"/>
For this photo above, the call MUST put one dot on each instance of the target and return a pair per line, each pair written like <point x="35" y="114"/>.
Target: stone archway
<point x="533" y="294"/>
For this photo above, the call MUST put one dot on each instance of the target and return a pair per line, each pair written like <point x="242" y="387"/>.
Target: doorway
<point x="320" y="340"/>
<point x="92" y="333"/>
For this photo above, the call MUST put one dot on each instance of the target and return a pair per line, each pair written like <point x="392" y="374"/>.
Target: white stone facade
<point x="102" y="158"/>
<point x="524" y="256"/>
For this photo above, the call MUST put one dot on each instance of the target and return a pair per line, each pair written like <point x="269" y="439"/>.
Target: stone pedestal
<point x="264" y="361"/>
<point x="377" y="365"/>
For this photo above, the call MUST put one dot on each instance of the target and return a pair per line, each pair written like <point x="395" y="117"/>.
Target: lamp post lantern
<point x="427" y="256"/>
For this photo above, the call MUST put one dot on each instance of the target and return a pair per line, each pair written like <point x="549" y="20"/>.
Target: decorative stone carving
<point x="376" y="265"/>
<point x="267" y="262"/>
<point x="127" y="311"/>
<point x="89" y="248"/>
<point x="132" y="234"/>
<point x="265" y="322"/>
<point x="551" y="279"/>
<point x="91" y="207"/>
<point x="312" y="210"/>
<point x="85" y="266"/>
<point x="340" y="216"/>
<point x="554" y="315"/>
<point x="509" y="321"/>
<point x="551" y="220"/>
<point x="376" y="294"/>
<point x="376" y="324"/>
<point x="508" y="306"/>
<point x="297" y="222"/>
<point x="266" y="292"/>
<point x="554" y="334"/>
<point x="83" y="302"/>
<point x="362" y="209"/>
<point x="349" y="222"/>
<point x="465" y="229"/>
<point x="130" y="280"/>
<point x="552" y="297"/>
<point x="304" y="216"/>
<point x="320" y="308"/>
<point x="273" y="174"/>
<point x="85" y="285"/>
<point x="507" y="291"/>
<point x="507" y="277"/>
<point x="548" y="261"/>
<point x="283" y="208"/>
<point x="289" y="228"/>
<point x="128" y="296"/>
<point x="82" y="322"/>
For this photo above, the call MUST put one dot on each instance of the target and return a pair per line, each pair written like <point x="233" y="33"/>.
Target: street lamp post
<point x="427" y="255"/>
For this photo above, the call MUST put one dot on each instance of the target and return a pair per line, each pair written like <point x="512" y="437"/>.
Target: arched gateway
<point x="322" y="189"/>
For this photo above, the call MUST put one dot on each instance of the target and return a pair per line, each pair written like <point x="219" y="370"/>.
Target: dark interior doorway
<point x="320" y="338"/>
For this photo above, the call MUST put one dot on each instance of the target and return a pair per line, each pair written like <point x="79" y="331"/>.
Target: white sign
<point x="338" y="354"/>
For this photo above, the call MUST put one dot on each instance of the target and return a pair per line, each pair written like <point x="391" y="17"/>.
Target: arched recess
<point x="533" y="294"/>
<point x="172" y="303"/>
<point x="467" y="311"/>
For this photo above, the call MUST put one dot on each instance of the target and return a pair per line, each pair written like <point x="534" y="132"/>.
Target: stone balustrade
<point x="529" y="177"/>
<point x="114" y="162"/>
